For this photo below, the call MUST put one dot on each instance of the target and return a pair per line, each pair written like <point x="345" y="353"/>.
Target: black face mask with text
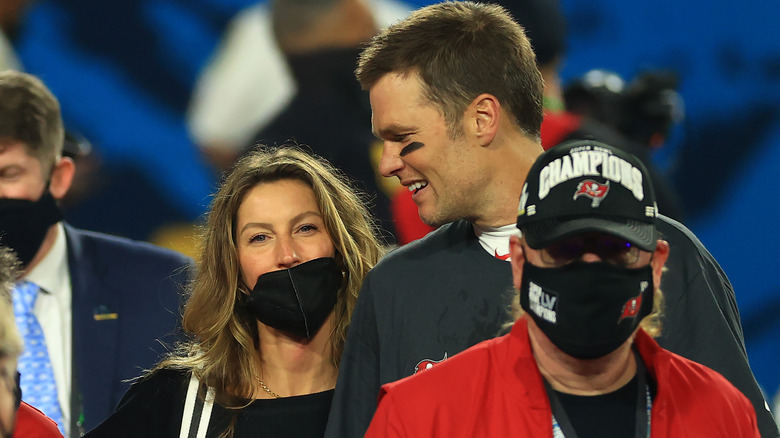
<point x="587" y="310"/>
<point x="297" y="300"/>
<point x="24" y="223"/>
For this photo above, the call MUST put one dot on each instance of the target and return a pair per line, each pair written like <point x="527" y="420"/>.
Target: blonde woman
<point x="285" y="248"/>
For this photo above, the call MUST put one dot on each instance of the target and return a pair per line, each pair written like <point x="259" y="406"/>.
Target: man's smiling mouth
<point x="417" y="186"/>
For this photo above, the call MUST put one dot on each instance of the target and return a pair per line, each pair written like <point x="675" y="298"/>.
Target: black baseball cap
<point x="587" y="186"/>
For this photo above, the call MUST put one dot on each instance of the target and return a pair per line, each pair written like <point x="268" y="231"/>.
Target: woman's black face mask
<point x="297" y="300"/>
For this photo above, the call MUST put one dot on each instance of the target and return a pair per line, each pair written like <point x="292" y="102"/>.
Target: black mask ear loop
<point x="18" y="390"/>
<point x="242" y="290"/>
<point x="47" y="186"/>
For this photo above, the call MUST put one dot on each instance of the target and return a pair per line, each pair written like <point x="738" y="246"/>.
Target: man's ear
<point x="659" y="259"/>
<point x="517" y="259"/>
<point x="62" y="177"/>
<point x="486" y="111"/>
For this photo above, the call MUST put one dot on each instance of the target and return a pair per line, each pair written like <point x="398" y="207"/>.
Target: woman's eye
<point x="258" y="238"/>
<point x="308" y="228"/>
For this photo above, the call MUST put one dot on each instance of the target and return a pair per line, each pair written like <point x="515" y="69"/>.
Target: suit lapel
<point x="95" y="337"/>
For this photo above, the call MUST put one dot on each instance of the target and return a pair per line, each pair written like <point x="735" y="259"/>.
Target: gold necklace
<point x="267" y="389"/>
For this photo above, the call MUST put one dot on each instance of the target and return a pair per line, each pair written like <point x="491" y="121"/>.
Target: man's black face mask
<point x="587" y="310"/>
<point x="24" y="223"/>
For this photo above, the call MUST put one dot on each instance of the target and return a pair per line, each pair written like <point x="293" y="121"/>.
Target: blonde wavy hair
<point x="223" y="347"/>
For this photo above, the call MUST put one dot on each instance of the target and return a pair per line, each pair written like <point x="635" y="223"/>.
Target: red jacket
<point x="32" y="423"/>
<point x="495" y="389"/>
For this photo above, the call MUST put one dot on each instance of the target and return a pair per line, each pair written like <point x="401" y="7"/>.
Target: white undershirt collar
<point x="495" y="240"/>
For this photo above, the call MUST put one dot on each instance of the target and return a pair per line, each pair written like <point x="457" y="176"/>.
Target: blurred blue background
<point x="124" y="70"/>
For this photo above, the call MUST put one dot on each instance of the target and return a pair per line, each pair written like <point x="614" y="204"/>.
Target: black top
<point x="611" y="414"/>
<point x="423" y="302"/>
<point x="153" y="407"/>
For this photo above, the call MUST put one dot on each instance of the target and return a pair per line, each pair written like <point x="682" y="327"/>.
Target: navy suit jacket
<point x="126" y="309"/>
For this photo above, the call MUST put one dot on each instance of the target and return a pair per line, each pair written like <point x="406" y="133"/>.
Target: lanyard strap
<point x="197" y="409"/>
<point x="562" y="427"/>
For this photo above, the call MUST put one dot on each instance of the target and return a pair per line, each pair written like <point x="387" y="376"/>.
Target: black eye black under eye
<point x="411" y="147"/>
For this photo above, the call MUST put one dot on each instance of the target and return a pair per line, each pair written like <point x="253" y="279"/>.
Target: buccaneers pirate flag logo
<point x="593" y="190"/>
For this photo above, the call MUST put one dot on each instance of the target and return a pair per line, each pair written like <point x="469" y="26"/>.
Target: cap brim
<point x="544" y="233"/>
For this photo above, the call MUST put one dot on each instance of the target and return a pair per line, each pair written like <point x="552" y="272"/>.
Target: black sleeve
<point x="355" y="398"/>
<point x="701" y="318"/>
<point x="152" y="407"/>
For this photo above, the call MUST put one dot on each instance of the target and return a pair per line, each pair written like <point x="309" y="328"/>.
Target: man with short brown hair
<point x="101" y="302"/>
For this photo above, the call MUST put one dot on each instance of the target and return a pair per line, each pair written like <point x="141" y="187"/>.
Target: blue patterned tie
<point x="38" y="386"/>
